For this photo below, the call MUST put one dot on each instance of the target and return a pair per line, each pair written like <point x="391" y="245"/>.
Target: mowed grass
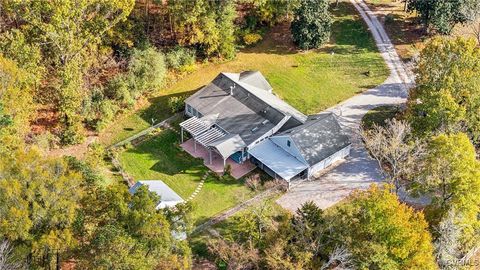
<point x="160" y="158"/>
<point x="310" y="81"/>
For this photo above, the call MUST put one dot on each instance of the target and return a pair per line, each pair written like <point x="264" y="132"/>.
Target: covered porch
<point x="277" y="162"/>
<point x="214" y="161"/>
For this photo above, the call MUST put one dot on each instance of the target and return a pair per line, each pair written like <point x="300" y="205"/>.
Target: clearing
<point x="160" y="158"/>
<point x="310" y="81"/>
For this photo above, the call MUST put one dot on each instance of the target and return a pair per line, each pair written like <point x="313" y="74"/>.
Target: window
<point x="288" y="143"/>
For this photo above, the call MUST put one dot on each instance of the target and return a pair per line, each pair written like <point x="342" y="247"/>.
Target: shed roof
<point x="277" y="159"/>
<point x="168" y="197"/>
<point x="318" y="138"/>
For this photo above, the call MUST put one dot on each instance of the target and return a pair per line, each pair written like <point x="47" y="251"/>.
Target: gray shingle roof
<point x="318" y="138"/>
<point x="256" y="79"/>
<point x="246" y="110"/>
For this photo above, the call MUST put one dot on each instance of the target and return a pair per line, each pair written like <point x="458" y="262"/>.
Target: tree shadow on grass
<point x="159" y="109"/>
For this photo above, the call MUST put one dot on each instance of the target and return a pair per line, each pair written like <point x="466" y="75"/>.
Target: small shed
<point x="168" y="197"/>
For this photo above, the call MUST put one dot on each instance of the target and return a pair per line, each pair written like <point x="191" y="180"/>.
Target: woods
<point x="69" y="69"/>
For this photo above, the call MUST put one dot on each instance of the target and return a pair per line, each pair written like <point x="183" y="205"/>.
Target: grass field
<point x="378" y="116"/>
<point x="160" y="158"/>
<point x="310" y="81"/>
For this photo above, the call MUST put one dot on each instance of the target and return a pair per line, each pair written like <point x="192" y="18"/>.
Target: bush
<point x="180" y="59"/>
<point x="253" y="182"/>
<point x="118" y="89"/>
<point x="176" y="103"/>
<point x="390" y="18"/>
<point x="228" y="170"/>
<point x="146" y="71"/>
<point x="251" y="38"/>
<point x="98" y="110"/>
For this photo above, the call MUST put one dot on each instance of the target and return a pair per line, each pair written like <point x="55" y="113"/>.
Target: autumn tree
<point x="38" y="202"/>
<point x="69" y="34"/>
<point x="207" y="25"/>
<point x="450" y="175"/>
<point x="381" y="232"/>
<point x="118" y="228"/>
<point x="447" y="95"/>
<point x="16" y="104"/>
<point x="311" y="24"/>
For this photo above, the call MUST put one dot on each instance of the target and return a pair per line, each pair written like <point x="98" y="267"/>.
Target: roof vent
<point x="254" y="129"/>
<point x="231" y="89"/>
<point x="265" y="122"/>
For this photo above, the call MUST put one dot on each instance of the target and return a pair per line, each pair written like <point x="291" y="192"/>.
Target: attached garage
<point x="310" y="147"/>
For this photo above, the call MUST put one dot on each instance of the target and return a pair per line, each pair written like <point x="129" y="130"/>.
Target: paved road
<point x="359" y="170"/>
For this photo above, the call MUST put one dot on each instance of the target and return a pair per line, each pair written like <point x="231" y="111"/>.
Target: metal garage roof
<point x="277" y="159"/>
<point x="168" y="197"/>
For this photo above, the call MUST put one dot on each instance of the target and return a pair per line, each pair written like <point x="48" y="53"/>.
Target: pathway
<point x="359" y="170"/>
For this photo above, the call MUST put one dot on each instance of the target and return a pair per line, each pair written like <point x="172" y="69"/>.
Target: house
<point x="237" y="116"/>
<point x="168" y="197"/>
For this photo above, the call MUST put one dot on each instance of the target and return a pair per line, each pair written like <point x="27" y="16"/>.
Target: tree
<point x="7" y="259"/>
<point x="117" y="228"/>
<point x="38" y="202"/>
<point x="69" y="33"/>
<point x="311" y="24"/>
<point x="235" y="255"/>
<point x="208" y="25"/>
<point x="16" y="104"/>
<point x="392" y="145"/>
<point x="441" y="15"/>
<point x="447" y="95"/>
<point x="146" y="71"/>
<point x="450" y="175"/>
<point x="380" y="232"/>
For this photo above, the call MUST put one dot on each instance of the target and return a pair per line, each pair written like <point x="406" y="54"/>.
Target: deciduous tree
<point x="380" y="232"/>
<point x="38" y="202"/>
<point x="447" y="95"/>
<point x="450" y="175"/>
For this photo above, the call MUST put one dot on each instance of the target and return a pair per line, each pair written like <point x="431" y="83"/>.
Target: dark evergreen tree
<point x="311" y="24"/>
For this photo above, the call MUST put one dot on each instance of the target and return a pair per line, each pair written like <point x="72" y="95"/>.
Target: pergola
<point x="205" y="133"/>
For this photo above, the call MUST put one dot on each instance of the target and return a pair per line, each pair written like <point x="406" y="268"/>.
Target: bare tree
<point x="471" y="12"/>
<point x="7" y="260"/>
<point x="391" y="146"/>
<point x="339" y="259"/>
<point x="447" y="246"/>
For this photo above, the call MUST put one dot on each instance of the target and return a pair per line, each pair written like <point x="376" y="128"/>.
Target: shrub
<point x="253" y="182"/>
<point x="251" y="38"/>
<point x="95" y="156"/>
<point x="118" y="89"/>
<point x="46" y="141"/>
<point x="176" y="103"/>
<point x="228" y="170"/>
<point x="181" y="59"/>
<point x="390" y="18"/>
<point x="146" y="71"/>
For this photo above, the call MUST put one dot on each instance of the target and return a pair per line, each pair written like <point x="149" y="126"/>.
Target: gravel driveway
<point x="359" y="170"/>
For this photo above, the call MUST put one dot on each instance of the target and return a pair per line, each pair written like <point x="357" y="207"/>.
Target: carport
<point x="274" y="160"/>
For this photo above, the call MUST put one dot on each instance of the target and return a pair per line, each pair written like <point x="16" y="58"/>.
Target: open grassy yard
<point x="310" y="81"/>
<point x="160" y="158"/>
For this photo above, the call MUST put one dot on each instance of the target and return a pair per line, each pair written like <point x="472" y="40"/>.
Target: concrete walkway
<point x="359" y="170"/>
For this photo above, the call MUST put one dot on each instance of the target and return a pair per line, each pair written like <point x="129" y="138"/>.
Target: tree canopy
<point x="443" y="15"/>
<point x="311" y="24"/>
<point x="381" y="232"/>
<point x="447" y="95"/>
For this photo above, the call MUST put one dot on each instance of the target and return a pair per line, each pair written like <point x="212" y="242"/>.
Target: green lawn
<point x="310" y="81"/>
<point x="378" y="116"/>
<point x="160" y="158"/>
